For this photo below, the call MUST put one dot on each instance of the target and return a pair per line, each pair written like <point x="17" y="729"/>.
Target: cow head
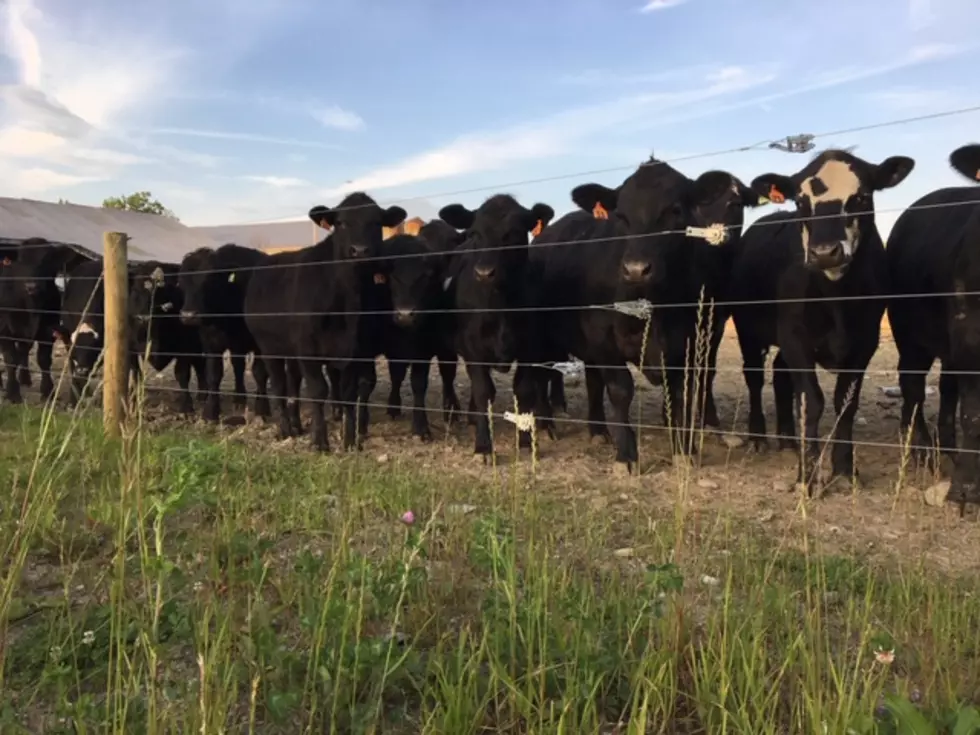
<point x="36" y="266"/>
<point x="724" y="215"/>
<point x="152" y="294"/>
<point x="85" y="346"/>
<point x="966" y="160"/>
<point x="497" y="232"/>
<point x="201" y="284"/>
<point x="357" y="224"/>
<point x="834" y="196"/>
<point x="413" y="276"/>
<point x="651" y="211"/>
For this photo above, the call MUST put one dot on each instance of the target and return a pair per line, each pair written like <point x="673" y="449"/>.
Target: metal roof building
<point x="152" y="237"/>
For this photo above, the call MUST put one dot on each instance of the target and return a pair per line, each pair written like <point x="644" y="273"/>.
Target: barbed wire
<point x="568" y="420"/>
<point x="525" y="246"/>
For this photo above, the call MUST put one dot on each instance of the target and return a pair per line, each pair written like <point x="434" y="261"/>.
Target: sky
<point x="244" y="112"/>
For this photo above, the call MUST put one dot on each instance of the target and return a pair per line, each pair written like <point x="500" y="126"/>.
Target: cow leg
<point x="45" y="351"/>
<point x="182" y="372"/>
<point x="526" y="393"/>
<point x="278" y="392"/>
<point x="11" y="360"/>
<point x="782" y="389"/>
<point x="594" y="389"/>
<point x="482" y="394"/>
<point x="450" y="401"/>
<point x="294" y="380"/>
<point x="336" y="400"/>
<point x="948" y="399"/>
<point x="708" y="408"/>
<point x="317" y="393"/>
<point x="24" y="374"/>
<point x="260" y="374"/>
<point x="199" y="365"/>
<point x="356" y="386"/>
<point x="240" y="395"/>
<point x="471" y="412"/>
<point x="912" y="369"/>
<point x="966" y="471"/>
<point x="753" y="364"/>
<point x="215" y="372"/>
<point x="556" y="393"/>
<point x="397" y="370"/>
<point x="367" y="380"/>
<point x="420" y="385"/>
<point x="847" y="398"/>
<point x="809" y="405"/>
<point x="544" y="412"/>
<point x="620" y="387"/>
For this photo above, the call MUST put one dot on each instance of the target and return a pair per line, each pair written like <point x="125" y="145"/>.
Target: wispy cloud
<point x="654" y="5"/>
<point x="905" y="99"/>
<point x="279" y="182"/>
<point x="241" y="137"/>
<point x="338" y="118"/>
<point x="548" y="137"/>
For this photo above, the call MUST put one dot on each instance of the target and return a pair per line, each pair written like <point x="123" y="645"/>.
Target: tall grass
<point x="170" y="583"/>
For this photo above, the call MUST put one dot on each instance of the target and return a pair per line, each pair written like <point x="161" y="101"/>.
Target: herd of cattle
<point x="632" y="278"/>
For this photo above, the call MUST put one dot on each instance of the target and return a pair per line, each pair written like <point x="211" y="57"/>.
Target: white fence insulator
<point x="523" y="421"/>
<point x="714" y="235"/>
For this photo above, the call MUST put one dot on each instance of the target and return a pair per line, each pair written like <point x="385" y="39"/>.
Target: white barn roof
<point x="152" y="237"/>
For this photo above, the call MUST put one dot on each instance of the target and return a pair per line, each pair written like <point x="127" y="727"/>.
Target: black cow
<point x="721" y="220"/>
<point x="631" y="243"/>
<point x="932" y="258"/>
<point x="29" y="310"/>
<point x="416" y="269"/>
<point x="489" y="286"/>
<point x="155" y="301"/>
<point x="822" y="276"/>
<point x="214" y="283"/>
<point x="319" y="310"/>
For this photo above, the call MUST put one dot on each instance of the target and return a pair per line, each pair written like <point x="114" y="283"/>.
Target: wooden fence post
<point x="115" y="365"/>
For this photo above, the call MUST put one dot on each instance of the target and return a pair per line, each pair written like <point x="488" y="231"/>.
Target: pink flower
<point x="884" y="657"/>
<point x="408" y="518"/>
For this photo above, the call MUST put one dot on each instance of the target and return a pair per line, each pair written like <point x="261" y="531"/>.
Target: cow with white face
<point x="817" y="280"/>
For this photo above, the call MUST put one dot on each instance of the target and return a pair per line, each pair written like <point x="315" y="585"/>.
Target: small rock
<point x="732" y="441"/>
<point x="461" y="509"/>
<point x="624" y="497"/>
<point x="382" y="458"/>
<point x="706" y="484"/>
<point x="709" y="581"/>
<point x="936" y="495"/>
<point x="781" y="486"/>
<point x="598" y="503"/>
<point x="892" y="391"/>
<point x="861" y="421"/>
<point x="625" y="553"/>
<point x="767" y="516"/>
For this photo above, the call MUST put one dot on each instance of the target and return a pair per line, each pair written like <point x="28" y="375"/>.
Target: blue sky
<point x="255" y="110"/>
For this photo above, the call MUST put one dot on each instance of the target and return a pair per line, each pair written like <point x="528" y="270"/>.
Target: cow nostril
<point x="358" y="251"/>
<point x="637" y="270"/>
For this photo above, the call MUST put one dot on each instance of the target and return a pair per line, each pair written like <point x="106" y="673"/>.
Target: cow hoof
<point x="424" y="436"/>
<point x="622" y="469"/>
<point x="394" y="412"/>
<point x="759" y="446"/>
<point x="599" y="438"/>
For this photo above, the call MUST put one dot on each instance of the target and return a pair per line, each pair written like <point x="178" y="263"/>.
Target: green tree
<point x="140" y="201"/>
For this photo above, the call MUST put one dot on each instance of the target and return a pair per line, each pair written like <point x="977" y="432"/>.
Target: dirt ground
<point x="887" y="516"/>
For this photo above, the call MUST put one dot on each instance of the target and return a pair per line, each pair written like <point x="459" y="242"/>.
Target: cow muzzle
<point x="358" y="251"/>
<point x="827" y="255"/>
<point x="404" y="317"/>
<point x="189" y="318"/>
<point x="637" y="271"/>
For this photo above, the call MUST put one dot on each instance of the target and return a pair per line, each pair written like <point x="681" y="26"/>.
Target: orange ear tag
<point x="379" y="278"/>
<point x="978" y="179"/>
<point x="775" y="195"/>
<point x="599" y="212"/>
<point x="537" y="229"/>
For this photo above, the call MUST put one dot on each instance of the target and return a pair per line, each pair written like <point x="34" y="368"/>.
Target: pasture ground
<point x="192" y="579"/>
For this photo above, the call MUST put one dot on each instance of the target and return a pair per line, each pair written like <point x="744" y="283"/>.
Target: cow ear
<point x="892" y="172"/>
<point x="595" y="198"/>
<point x="539" y="216"/>
<point x="747" y="196"/>
<point x="458" y="216"/>
<point x="323" y="216"/>
<point x="393" y="216"/>
<point x="710" y="186"/>
<point x="966" y="160"/>
<point x="774" y="188"/>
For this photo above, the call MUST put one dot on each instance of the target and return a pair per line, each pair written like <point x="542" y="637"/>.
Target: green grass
<point x="171" y="583"/>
